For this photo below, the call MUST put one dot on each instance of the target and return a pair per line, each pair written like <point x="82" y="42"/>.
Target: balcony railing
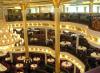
<point x="87" y="19"/>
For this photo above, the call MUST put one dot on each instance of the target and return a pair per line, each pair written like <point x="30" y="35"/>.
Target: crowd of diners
<point x="87" y="53"/>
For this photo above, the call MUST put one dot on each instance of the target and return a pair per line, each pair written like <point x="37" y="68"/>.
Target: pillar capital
<point x="56" y="3"/>
<point x="23" y="6"/>
<point x="91" y="2"/>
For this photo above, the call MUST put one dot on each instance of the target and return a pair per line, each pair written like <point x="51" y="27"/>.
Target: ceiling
<point x="39" y="2"/>
<point x="33" y="2"/>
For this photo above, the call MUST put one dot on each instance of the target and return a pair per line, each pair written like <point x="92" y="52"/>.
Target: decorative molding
<point x="92" y="36"/>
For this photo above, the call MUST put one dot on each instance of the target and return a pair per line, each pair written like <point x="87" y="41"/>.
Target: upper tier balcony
<point x="92" y="21"/>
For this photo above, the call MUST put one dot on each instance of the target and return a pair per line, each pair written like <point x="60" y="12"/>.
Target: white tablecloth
<point x="21" y="58"/>
<point x="82" y="48"/>
<point x="36" y="59"/>
<point x="33" y="66"/>
<point x="63" y="43"/>
<point x="95" y="55"/>
<point x="2" y="53"/>
<point x="66" y="64"/>
<point x="19" y="65"/>
<point x="51" y="60"/>
<point x="2" y="68"/>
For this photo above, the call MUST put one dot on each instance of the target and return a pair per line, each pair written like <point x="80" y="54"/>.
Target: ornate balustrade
<point x="63" y="55"/>
<point x="93" y="37"/>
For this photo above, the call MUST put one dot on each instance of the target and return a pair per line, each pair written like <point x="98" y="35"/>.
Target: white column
<point x="74" y="69"/>
<point x="45" y="58"/>
<point x="39" y="9"/>
<point x="46" y="35"/>
<point x="77" y="42"/>
<point x="11" y="57"/>
<point x="91" y="7"/>
<point x="61" y="31"/>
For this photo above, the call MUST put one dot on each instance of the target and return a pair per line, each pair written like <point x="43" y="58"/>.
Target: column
<point x="46" y="35"/>
<point x="39" y="9"/>
<point x="63" y="8"/>
<point x="85" y="9"/>
<point x="3" y="16"/>
<point x="45" y="58"/>
<point x="77" y="42"/>
<point x="11" y="57"/>
<point x="91" y="7"/>
<point x="98" y="9"/>
<point x="61" y="31"/>
<point x="91" y="12"/>
<point x="74" y="69"/>
<point x="3" y="10"/>
<point x="57" y="39"/>
<point x="25" y="29"/>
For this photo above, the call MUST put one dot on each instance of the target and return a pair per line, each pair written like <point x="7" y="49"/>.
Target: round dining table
<point x="21" y="58"/>
<point x="36" y="59"/>
<point x="19" y="65"/>
<point x="66" y="64"/>
<point x="64" y="43"/>
<point x="82" y="48"/>
<point x="20" y="72"/>
<point x="50" y="60"/>
<point x="7" y="59"/>
<point x="33" y="66"/>
<point x="95" y="55"/>
<point x="3" y="68"/>
<point x="2" y="53"/>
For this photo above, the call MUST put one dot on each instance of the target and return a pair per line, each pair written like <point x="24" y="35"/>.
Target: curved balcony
<point x="47" y="50"/>
<point x="93" y="37"/>
<point x="72" y="25"/>
<point x="86" y="19"/>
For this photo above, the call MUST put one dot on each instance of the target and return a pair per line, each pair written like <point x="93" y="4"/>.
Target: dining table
<point x="21" y="58"/>
<point x="2" y="68"/>
<point x="36" y="59"/>
<point x="19" y="65"/>
<point x="20" y="72"/>
<point x="66" y="64"/>
<point x="95" y="55"/>
<point x="64" y="43"/>
<point x="50" y="60"/>
<point x="7" y="59"/>
<point x="82" y="48"/>
<point x="33" y="66"/>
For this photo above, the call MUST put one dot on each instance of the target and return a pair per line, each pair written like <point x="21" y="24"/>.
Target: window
<point x="47" y="9"/>
<point x="96" y="8"/>
<point x="34" y="10"/>
<point x="76" y="8"/>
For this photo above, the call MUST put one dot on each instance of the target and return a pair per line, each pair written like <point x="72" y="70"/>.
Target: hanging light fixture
<point x="7" y="39"/>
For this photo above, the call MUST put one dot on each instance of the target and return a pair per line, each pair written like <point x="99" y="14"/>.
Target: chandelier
<point x="7" y="39"/>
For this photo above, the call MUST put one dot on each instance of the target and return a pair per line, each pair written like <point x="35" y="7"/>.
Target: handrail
<point x="93" y="37"/>
<point x="63" y="55"/>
